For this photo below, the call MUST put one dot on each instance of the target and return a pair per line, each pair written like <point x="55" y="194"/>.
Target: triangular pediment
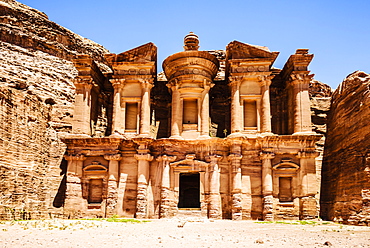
<point x="143" y="53"/>
<point x="239" y="50"/>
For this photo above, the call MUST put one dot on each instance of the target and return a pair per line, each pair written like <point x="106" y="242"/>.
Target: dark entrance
<point x="189" y="190"/>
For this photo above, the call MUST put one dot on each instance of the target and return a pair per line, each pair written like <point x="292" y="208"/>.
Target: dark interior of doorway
<point x="189" y="190"/>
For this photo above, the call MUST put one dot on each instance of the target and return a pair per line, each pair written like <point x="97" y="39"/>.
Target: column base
<point x="204" y="137"/>
<point x="178" y="137"/>
<point x="268" y="208"/>
<point x="305" y="133"/>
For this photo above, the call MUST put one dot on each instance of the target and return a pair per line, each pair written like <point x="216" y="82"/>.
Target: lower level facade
<point x="239" y="178"/>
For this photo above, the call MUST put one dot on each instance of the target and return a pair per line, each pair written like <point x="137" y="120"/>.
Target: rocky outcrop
<point x="320" y="97"/>
<point x="29" y="28"/>
<point x="345" y="174"/>
<point x="36" y="108"/>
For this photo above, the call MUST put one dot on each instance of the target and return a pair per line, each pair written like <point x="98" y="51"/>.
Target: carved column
<point x="176" y="115"/>
<point x="112" y="194"/>
<point x="118" y="120"/>
<point x="82" y="109"/>
<point x="165" y="186"/>
<point x="268" y="211"/>
<point x="301" y="99"/>
<point x="236" y="190"/>
<point x="142" y="183"/>
<point x="236" y="115"/>
<point x="266" y="111"/>
<point x="145" y="107"/>
<point x="215" y="209"/>
<point x="73" y="199"/>
<point x="204" y="128"/>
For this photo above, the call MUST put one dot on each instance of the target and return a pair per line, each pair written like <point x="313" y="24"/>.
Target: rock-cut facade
<point x="219" y="134"/>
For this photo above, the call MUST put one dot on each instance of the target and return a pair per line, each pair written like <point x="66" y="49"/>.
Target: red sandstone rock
<point x="345" y="177"/>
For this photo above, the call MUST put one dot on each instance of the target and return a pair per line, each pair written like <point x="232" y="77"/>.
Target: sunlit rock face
<point x="345" y="173"/>
<point x="36" y="108"/>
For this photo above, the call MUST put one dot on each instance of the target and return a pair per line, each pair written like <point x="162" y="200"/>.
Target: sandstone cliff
<point x="345" y="192"/>
<point x="320" y="97"/>
<point x="36" y="99"/>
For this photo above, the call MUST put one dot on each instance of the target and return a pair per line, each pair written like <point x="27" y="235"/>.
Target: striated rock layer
<point x="345" y="194"/>
<point x="36" y="97"/>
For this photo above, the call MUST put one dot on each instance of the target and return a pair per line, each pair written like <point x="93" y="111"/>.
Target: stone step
<point x="189" y="212"/>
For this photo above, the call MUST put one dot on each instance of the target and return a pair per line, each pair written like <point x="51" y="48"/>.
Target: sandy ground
<point x="179" y="233"/>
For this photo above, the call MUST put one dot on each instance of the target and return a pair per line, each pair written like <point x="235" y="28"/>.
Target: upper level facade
<point x="200" y="94"/>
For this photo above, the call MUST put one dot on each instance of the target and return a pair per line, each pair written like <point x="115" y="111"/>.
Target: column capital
<point x="117" y="83"/>
<point x="308" y="154"/>
<point x="166" y="158"/>
<point x="265" y="80"/>
<point x="86" y="83"/>
<point x="235" y="80"/>
<point x="115" y="157"/>
<point x="213" y="158"/>
<point x="266" y="155"/>
<point x="299" y="78"/>
<point x="146" y="157"/>
<point x="235" y="157"/>
<point x="147" y="83"/>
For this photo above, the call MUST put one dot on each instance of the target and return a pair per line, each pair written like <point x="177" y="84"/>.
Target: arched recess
<point x="285" y="180"/>
<point x="95" y="183"/>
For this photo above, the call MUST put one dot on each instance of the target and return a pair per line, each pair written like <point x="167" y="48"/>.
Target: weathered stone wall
<point x="36" y="108"/>
<point x="30" y="155"/>
<point x="345" y="182"/>
<point x="320" y="97"/>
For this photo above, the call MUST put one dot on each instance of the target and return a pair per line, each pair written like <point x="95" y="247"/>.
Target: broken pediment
<point x="143" y="53"/>
<point x="239" y="50"/>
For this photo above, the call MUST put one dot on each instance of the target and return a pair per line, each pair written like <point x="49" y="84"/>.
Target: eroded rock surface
<point x="36" y="95"/>
<point x="346" y="182"/>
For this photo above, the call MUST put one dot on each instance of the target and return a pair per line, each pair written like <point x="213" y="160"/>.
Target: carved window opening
<point x="250" y="114"/>
<point x="285" y="189"/>
<point x="131" y="116"/>
<point x="95" y="191"/>
<point x="189" y="194"/>
<point x="190" y="111"/>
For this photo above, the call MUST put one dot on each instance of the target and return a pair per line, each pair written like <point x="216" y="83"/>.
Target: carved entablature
<point x="189" y="164"/>
<point x="95" y="170"/>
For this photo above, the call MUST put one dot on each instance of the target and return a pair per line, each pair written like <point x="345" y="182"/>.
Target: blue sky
<point x="337" y="32"/>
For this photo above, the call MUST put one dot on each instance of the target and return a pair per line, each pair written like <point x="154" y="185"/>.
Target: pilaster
<point x="301" y="101"/>
<point x="112" y="194"/>
<point x="82" y="107"/>
<point x="265" y="82"/>
<point x="176" y="112"/>
<point x="166" y="200"/>
<point x="236" y="189"/>
<point x="236" y="115"/>
<point x="267" y="189"/>
<point x="143" y="158"/>
<point x="118" y="120"/>
<point x="73" y="198"/>
<point x="214" y="207"/>
<point x="146" y="86"/>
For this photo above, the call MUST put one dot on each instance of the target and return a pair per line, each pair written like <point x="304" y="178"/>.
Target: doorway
<point x="189" y="195"/>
